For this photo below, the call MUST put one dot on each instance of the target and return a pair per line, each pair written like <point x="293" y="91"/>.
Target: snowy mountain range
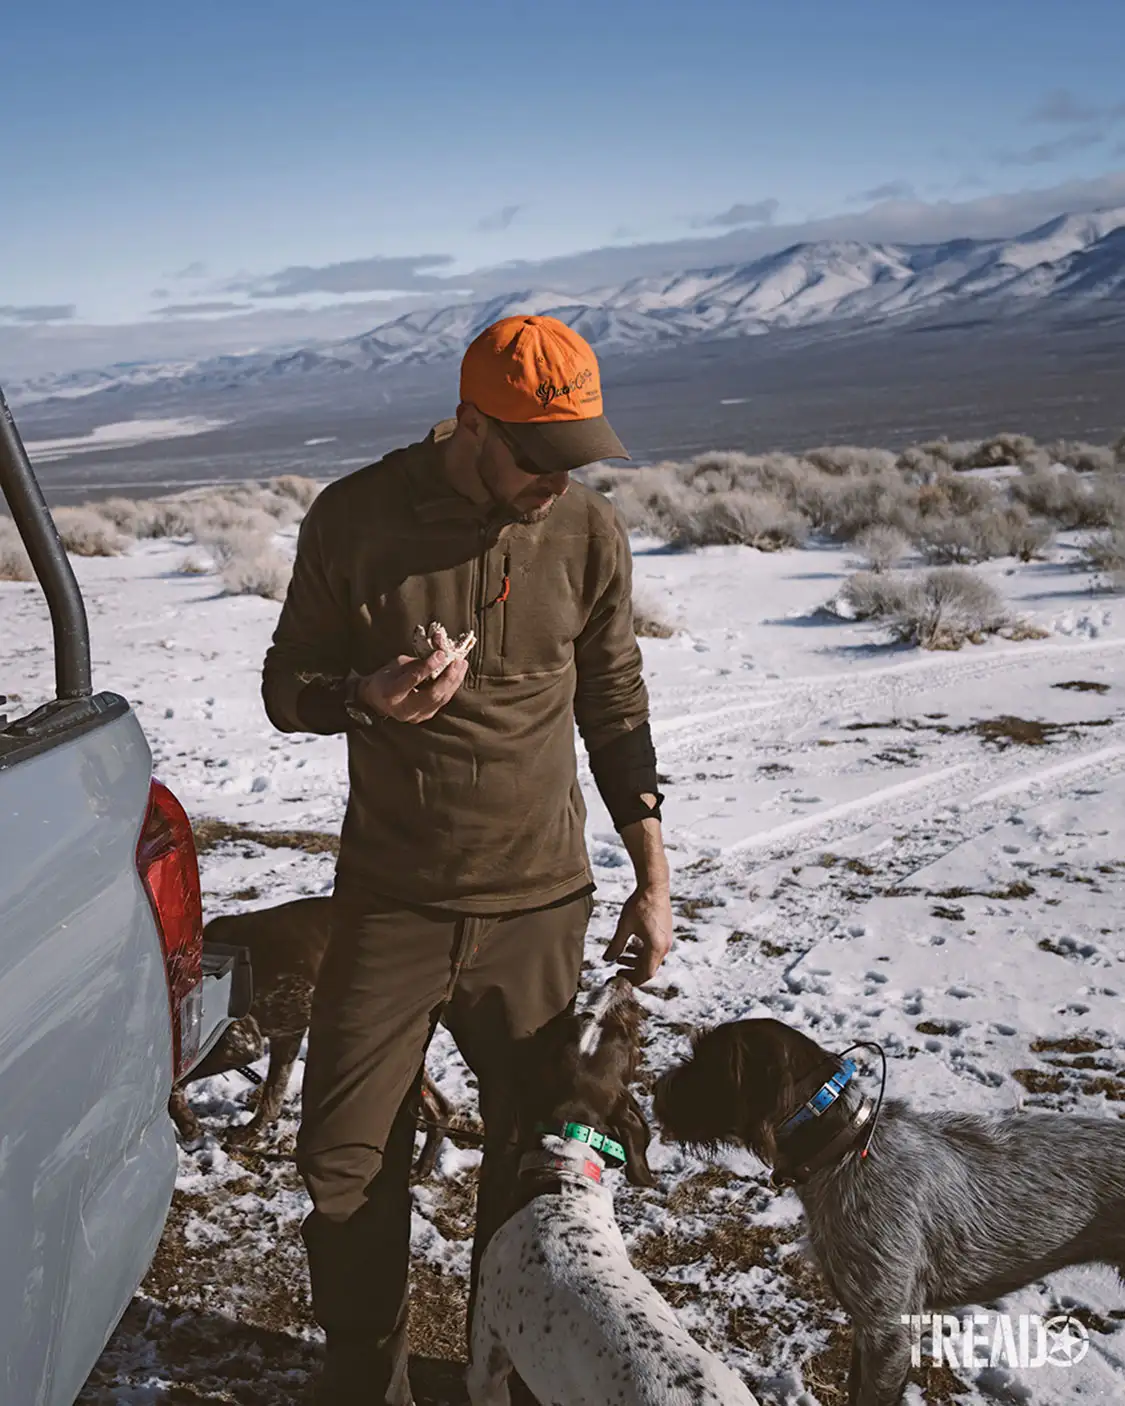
<point x="1072" y="263"/>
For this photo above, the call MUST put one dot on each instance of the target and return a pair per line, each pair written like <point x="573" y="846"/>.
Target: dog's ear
<point x="633" y="1133"/>
<point x="760" y="1084"/>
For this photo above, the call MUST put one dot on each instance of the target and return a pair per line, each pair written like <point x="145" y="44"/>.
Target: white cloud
<point x="760" y="212"/>
<point x="499" y="219"/>
<point x="889" y="190"/>
<point x="38" y="312"/>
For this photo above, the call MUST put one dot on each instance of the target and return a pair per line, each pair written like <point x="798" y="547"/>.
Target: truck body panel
<point x="87" y="1151"/>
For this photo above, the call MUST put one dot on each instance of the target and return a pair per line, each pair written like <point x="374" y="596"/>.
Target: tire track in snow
<point x="978" y="789"/>
<point x="799" y="702"/>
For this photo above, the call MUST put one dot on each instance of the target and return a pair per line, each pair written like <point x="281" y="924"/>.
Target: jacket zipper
<point x="502" y="602"/>
<point x="482" y="591"/>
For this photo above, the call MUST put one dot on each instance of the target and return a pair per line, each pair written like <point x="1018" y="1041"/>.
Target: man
<point x="463" y="884"/>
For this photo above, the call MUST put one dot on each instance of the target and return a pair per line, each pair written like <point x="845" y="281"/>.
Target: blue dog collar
<point x="821" y="1101"/>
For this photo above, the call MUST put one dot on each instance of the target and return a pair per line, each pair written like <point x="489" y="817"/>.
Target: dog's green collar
<point x="612" y="1151"/>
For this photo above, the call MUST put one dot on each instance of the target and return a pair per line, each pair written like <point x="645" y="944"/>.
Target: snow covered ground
<point x="868" y="842"/>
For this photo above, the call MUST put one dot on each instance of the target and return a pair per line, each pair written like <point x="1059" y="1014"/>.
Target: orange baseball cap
<point x="540" y="379"/>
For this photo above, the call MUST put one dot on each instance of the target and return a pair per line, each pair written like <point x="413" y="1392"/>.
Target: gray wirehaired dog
<point x="907" y="1212"/>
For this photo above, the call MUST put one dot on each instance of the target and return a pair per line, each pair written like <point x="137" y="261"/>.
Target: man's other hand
<point x="644" y="933"/>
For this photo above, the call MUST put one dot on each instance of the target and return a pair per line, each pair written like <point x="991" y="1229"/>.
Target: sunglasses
<point x="524" y="464"/>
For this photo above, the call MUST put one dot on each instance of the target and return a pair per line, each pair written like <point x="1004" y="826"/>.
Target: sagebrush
<point x="944" y="608"/>
<point x="954" y="503"/>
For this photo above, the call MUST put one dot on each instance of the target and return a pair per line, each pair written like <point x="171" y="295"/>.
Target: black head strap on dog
<point x="840" y="1139"/>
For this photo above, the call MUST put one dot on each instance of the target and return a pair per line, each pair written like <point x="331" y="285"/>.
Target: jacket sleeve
<point x="610" y="696"/>
<point x="308" y="663"/>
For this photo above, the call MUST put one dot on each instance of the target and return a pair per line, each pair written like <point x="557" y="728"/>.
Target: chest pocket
<point x="543" y="613"/>
<point x="409" y="584"/>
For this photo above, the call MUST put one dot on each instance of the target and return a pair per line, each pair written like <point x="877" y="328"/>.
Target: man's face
<point x="528" y="496"/>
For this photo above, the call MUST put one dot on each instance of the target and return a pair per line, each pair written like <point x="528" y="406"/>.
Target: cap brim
<point x="558" y="446"/>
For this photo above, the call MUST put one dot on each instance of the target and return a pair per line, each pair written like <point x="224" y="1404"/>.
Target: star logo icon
<point x="1068" y="1340"/>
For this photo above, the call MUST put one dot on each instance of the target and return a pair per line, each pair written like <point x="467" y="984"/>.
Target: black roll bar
<point x="52" y="565"/>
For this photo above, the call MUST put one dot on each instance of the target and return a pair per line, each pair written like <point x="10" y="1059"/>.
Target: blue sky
<point x="182" y="157"/>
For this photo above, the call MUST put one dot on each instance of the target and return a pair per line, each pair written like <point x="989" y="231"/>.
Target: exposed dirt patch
<point x="1073" y="1044"/>
<point x="1018" y="889"/>
<point x="1039" y="1081"/>
<point x="1083" y="686"/>
<point x="1008" y="731"/>
<point x="852" y="866"/>
<point x="771" y="949"/>
<point x="210" y="833"/>
<point x="693" y="908"/>
<point x="1080" y="1067"/>
<point x="454" y="1206"/>
<point x="939" y="1027"/>
<point x="731" y="1244"/>
<point x="695" y="1195"/>
<point x="1002" y="732"/>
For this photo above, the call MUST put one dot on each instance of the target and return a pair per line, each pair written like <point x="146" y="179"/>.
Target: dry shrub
<point x="880" y="547"/>
<point x="229" y="544"/>
<point x="946" y="608"/>
<point x="719" y="470"/>
<point x="301" y="490"/>
<point x="954" y="454"/>
<point x="15" y="564"/>
<point x="1070" y="501"/>
<point x="1002" y="449"/>
<point x="942" y="609"/>
<point x="744" y="519"/>
<point x="1083" y="458"/>
<point x="1105" y="553"/>
<point x="1023" y="537"/>
<point x="85" y="533"/>
<point x="869" y="595"/>
<point x="842" y="491"/>
<point x="260" y="569"/>
<point x="648" y="622"/>
<point x="136" y="517"/>
<point x="849" y="460"/>
<point x="213" y="515"/>
<point x="877" y="500"/>
<point x="995" y="531"/>
<point x="652" y="502"/>
<point x="948" y="540"/>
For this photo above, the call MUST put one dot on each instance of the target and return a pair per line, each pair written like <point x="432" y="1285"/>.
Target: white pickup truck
<point x="106" y="993"/>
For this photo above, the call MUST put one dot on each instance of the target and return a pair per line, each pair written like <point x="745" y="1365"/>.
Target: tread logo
<point x="982" y="1339"/>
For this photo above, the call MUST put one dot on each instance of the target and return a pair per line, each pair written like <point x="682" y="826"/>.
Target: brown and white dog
<point x="558" y="1300"/>
<point x="286" y="944"/>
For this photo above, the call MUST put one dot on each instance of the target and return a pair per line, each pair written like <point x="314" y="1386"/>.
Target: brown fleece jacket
<point x="478" y="810"/>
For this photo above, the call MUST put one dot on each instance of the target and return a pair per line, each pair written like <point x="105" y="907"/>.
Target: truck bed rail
<point x="52" y="566"/>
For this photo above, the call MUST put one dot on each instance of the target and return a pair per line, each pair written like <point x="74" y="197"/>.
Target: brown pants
<point x="388" y="977"/>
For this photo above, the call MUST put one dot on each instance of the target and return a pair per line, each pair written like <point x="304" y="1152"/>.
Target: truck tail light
<point x="169" y="870"/>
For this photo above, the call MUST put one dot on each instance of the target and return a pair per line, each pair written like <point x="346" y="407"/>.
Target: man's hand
<point x="644" y="933"/>
<point x="412" y="690"/>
